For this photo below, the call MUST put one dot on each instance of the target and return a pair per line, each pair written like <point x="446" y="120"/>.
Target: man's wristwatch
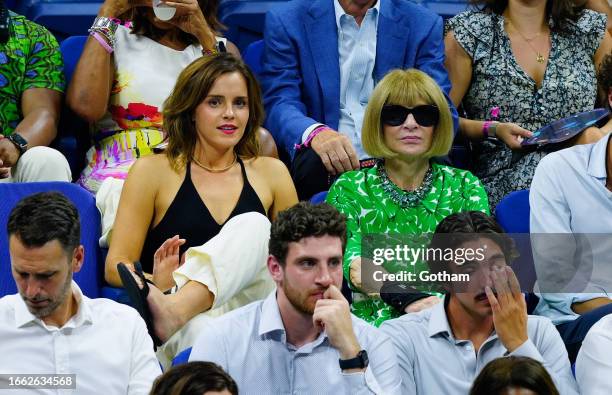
<point x="359" y="362"/>
<point x="20" y="142"/>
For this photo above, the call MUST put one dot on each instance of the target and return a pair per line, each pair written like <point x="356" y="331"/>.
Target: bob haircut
<point x="142" y="26"/>
<point x="192" y="87"/>
<point x="561" y="11"/>
<point x="406" y="88"/>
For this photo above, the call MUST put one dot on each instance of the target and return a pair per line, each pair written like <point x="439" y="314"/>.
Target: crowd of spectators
<point x="216" y="246"/>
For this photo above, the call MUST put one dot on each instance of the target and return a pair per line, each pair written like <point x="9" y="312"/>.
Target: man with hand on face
<point x="50" y="328"/>
<point x="442" y="349"/>
<point x="302" y="338"/>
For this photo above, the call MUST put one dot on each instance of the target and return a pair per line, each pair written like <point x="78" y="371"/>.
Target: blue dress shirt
<point x="568" y="195"/>
<point x="433" y="361"/>
<point x="250" y="344"/>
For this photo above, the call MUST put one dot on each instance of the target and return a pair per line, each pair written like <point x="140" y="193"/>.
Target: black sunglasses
<point x="395" y="115"/>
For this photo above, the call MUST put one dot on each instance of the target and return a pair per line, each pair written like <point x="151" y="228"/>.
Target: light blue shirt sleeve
<point x="550" y="214"/>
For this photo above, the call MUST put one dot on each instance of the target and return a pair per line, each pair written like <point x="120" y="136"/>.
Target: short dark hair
<point x="43" y="217"/>
<point x="513" y="372"/>
<point x="561" y="11"/>
<point x="194" y="378"/>
<point x="604" y="79"/>
<point x="305" y="220"/>
<point x="465" y="226"/>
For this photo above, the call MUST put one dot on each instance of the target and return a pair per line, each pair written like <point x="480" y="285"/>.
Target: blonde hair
<point x="406" y="88"/>
<point x="192" y="87"/>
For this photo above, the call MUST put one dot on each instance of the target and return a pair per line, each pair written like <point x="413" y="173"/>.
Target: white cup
<point x="163" y="12"/>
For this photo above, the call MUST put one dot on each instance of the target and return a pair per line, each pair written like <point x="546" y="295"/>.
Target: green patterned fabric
<point x="30" y="59"/>
<point x="359" y="196"/>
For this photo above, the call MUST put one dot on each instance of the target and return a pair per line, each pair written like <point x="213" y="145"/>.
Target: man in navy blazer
<point x="319" y="67"/>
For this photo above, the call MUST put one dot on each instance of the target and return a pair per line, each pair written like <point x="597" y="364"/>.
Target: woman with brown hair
<point x="514" y="375"/>
<point x="208" y="190"/>
<point x="515" y="66"/>
<point x="125" y="74"/>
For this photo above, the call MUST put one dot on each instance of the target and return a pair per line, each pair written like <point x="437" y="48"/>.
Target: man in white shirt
<point x="442" y="349"/>
<point x="302" y="339"/>
<point x="79" y="345"/>
<point x="571" y="208"/>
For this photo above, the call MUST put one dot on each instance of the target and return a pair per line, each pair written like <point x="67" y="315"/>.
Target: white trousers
<point x="40" y="164"/>
<point x="233" y="265"/>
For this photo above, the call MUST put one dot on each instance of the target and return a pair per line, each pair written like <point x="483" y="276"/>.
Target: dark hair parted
<point x="305" y="220"/>
<point x="194" y="378"/>
<point x="44" y="217"/>
<point x="141" y="22"/>
<point x="559" y="10"/>
<point x="459" y="228"/>
<point x="604" y="79"/>
<point x="502" y="374"/>
<point x="192" y="87"/>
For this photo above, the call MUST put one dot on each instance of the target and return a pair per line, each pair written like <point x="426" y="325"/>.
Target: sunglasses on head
<point x="424" y="115"/>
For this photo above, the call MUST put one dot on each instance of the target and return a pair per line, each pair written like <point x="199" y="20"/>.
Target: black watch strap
<point x="19" y="142"/>
<point x="359" y="362"/>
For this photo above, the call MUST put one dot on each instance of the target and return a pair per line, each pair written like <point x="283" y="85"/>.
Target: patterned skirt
<point x="113" y="156"/>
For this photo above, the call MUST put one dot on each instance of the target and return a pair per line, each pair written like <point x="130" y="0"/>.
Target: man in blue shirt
<point x="321" y="61"/>
<point x="571" y="201"/>
<point x="302" y="338"/>
<point x="441" y="350"/>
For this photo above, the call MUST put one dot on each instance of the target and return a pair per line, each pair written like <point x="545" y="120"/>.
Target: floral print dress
<point x="361" y="197"/>
<point x="569" y="87"/>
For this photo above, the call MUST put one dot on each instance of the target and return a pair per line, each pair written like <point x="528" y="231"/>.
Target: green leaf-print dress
<point x="359" y="195"/>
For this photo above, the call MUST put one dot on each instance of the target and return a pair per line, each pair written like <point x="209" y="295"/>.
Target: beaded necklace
<point x="404" y="199"/>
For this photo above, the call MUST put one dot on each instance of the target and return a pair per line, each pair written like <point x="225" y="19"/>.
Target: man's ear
<point x="275" y="268"/>
<point x="78" y="256"/>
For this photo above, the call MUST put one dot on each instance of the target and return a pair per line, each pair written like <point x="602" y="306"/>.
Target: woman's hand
<point x="422" y="304"/>
<point x="114" y="8"/>
<point x="190" y="19"/>
<point x="166" y="261"/>
<point x="512" y="134"/>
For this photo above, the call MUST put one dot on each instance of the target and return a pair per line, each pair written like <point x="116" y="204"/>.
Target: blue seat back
<point x="182" y="357"/>
<point x="63" y="18"/>
<point x="245" y="19"/>
<point x="512" y="213"/>
<point x="73" y="133"/>
<point x="89" y="277"/>
<point x="252" y="56"/>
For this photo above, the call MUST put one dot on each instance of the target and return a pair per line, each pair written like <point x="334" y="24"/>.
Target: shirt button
<point x="468" y="347"/>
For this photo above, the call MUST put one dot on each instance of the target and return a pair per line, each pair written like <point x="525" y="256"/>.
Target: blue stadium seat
<point x="90" y="276"/>
<point x="319" y="197"/>
<point x="512" y="213"/>
<point x="446" y="8"/>
<point x="63" y="18"/>
<point x="182" y="357"/>
<point x="245" y="19"/>
<point x="252" y="56"/>
<point x="73" y="134"/>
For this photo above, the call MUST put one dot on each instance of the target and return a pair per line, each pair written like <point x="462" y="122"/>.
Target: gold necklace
<point x="210" y="169"/>
<point x="539" y="56"/>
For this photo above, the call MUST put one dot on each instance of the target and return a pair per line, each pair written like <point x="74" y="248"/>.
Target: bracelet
<point x="209" y="52"/>
<point x="489" y="129"/>
<point x="107" y="46"/>
<point x="314" y="133"/>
